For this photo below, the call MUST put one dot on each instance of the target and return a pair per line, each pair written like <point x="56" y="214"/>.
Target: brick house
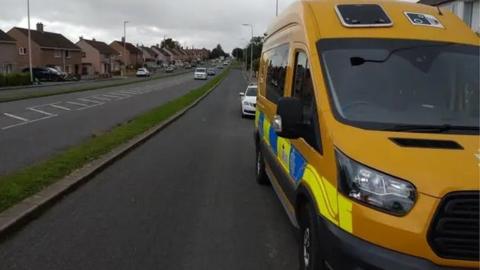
<point x="467" y="10"/>
<point x="133" y="58"/>
<point x="8" y="53"/>
<point x="149" y="57"/>
<point x="48" y="49"/>
<point x="163" y="57"/>
<point x="98" y="58"/>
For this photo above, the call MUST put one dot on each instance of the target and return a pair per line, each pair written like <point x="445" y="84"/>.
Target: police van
<point x="367" y="127"/>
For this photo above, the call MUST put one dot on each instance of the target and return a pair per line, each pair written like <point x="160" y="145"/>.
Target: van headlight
<point x="374" y="188"/>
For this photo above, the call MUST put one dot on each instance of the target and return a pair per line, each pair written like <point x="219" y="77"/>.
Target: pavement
<point x="186" y="199"/>
<point x="32" y="130"/>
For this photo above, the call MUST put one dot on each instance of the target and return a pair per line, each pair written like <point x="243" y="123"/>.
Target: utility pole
<point x="251" y="50"/>
<point x="29" y="43"/>
<point x="125" y="45"/>
<point x="276" y="12"/>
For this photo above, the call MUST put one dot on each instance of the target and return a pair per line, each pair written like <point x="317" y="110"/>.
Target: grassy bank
<point x="19" y="185"/>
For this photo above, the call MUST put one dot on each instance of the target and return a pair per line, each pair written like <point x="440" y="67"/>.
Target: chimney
<point x="40" y="27"/>
<point x="123" y="39"/>
<point x="93" y="39"/>
<point x="81" y="37"/>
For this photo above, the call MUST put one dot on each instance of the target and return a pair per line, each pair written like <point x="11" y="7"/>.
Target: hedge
<point x="14" y="79"/>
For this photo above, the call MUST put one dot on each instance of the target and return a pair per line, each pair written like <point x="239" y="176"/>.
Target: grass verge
<point x="21" y="184"/>
<point x="74" y="89"/>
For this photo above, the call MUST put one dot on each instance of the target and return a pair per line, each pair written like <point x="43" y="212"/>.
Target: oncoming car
<point x="248" y="100"/>
<point x="200" y="74"/>
<point x="367" y="127"/>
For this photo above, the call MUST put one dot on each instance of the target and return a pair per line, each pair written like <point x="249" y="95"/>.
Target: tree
<point x="170" y="44"/>
<point x="217" y="52"/>
<point x="238" y="53"/>
<point x="256" y="43"/>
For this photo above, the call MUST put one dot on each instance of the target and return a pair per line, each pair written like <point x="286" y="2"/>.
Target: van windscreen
<point x="403" y="85"/>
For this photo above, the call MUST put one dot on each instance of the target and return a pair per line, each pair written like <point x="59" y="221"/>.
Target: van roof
<point x="321" y="20"/>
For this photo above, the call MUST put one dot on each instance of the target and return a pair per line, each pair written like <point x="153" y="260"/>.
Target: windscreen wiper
<point x="432" y="128"/>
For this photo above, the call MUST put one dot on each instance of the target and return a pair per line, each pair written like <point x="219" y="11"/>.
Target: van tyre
<point x="309" y="240"/>
<point x="261" y="174"/>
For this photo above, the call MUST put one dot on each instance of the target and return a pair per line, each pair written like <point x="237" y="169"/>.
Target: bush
<point x="14" y="79"/>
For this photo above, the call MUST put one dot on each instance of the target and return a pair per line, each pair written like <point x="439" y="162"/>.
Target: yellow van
<point x="367" y="127"/>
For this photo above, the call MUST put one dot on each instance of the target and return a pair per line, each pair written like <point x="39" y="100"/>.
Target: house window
<point x="57" y="54"/>
<point x="468" y="12"/>
<point x="67" y="54"/>
<point x="22" y="51"/>
<point x="84" y="54"/>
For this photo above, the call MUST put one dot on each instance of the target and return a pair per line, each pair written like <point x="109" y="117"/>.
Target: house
<point x="48" y="49"/>
<point x="163" y="57"/>
<point x="8" y="53"/>
<point x="98" y="58"/>
<point x="175" y="57"/>
<point x="149" y="57"/>
<point x="467" y="10"/>
<point x="198" y="54"/>
<point x="128" y="54"/>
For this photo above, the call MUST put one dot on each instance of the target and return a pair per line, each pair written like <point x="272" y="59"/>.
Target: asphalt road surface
<point x="34" y="129"/>
<point x="186" y="199"/>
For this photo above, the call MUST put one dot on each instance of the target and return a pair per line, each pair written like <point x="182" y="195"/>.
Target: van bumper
<point x="342" y="250"/>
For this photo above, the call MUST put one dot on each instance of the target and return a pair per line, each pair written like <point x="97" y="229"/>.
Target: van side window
<point x="303" y="89"/>
<point x="276" y="60"/>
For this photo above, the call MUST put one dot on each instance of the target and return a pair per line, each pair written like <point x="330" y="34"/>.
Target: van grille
<point x="454" y="233"/>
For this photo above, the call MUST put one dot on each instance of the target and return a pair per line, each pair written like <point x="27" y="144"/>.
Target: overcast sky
<point x="198" y="23"/>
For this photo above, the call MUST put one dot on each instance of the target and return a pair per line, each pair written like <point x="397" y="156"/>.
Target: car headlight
<point x="246" y="103"/>
<point x="374" y="188"/>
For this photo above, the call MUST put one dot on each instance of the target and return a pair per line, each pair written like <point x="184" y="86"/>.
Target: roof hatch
<point x="363" y="15"/>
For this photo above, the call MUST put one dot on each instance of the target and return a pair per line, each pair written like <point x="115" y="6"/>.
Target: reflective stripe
<point x="331" y="204"/>
<point x="284" y="148"/>
<point x="345" y="213"/>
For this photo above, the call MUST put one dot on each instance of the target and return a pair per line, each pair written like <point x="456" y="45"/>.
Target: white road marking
<point x="16" y="117"/>
<point x="27" y="122"/>
<point x="100" y="98"/>
<point x="60" y="107"/>
<point x="111" y="96"/>
<point x="77" y="103"/>
<point x="40" y="111"/>
<point x="91" y="101"/>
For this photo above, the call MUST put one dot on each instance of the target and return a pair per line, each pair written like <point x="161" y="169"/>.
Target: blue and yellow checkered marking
<point x="331" y="204"/>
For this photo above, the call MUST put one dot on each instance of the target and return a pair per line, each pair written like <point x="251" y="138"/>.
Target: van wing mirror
<point x="287" y="123"/>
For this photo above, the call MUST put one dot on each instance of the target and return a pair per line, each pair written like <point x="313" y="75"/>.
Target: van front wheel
<point x="261" y="174"/>
<point x="309" y="241"/>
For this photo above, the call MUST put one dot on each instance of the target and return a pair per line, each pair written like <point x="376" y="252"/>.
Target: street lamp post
<point x="125" y="46"/>
<point x="276" y="10"/>
<point x="251" y="50"/>
<point x="29" y="43"/>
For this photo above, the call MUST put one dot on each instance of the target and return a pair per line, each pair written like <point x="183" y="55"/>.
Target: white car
<point x="249" y="101"/>
<point x="200" y="74"/>
<point x="143" y="72"/>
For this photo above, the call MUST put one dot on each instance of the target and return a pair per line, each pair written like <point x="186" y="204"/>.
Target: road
<point x="186" y="199"/>
<point x="34" y="129"/>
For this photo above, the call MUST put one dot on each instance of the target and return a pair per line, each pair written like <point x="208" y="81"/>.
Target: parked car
<point x="219" y="67"/>
<point x="248" y="101"/>
<point x="169" y="69"/>
<point x="143" y="72"/>
<point x="44" y="74"/>
<point x="58" y="70"/>
<point x="373" y="150"/>
<point x="211" y="72"/>
<point x="188" y="66"/>
<point x="200" y="74"/>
